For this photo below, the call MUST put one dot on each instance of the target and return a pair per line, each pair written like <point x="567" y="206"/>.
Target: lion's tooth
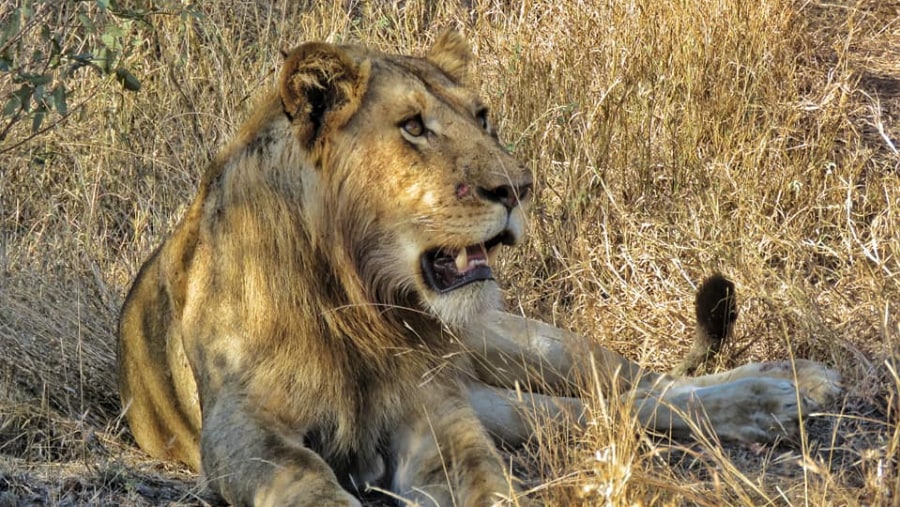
<point x="492" y="255"/>
<point x="462" y="260"/>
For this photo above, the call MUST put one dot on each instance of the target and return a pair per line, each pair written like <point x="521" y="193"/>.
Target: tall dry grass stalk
<point x="668" y="140"/>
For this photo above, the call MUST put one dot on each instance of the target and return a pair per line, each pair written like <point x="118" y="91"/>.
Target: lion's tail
<point x="716" y="312"/>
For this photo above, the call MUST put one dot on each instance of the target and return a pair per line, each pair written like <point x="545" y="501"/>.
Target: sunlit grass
<point x="668" y="140"/>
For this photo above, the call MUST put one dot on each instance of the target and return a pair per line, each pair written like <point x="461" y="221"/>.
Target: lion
<point x="325" y="319"/>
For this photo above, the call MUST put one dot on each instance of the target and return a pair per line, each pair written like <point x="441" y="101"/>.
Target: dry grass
<point x="668" y="140"/>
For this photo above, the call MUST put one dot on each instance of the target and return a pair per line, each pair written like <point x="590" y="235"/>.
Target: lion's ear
<point x="321" y="87"/>
<point x="451" y="54"/>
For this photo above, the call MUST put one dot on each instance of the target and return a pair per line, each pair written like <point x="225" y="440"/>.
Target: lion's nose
<point x="507" y="195"/>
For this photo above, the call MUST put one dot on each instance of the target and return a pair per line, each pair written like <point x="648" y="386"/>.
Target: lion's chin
<point x="456" y="309"/>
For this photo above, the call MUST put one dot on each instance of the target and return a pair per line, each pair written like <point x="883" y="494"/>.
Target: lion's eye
<point x="482" y="119"/>
<point x="413" y="126"/>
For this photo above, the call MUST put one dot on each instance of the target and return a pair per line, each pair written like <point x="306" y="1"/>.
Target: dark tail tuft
<point x="716" y="311"/>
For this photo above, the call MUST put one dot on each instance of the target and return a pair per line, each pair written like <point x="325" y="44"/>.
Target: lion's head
<point x="406" y="188"/>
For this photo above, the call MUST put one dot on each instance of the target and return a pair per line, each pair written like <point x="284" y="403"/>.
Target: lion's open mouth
<point x="449" y="269"/>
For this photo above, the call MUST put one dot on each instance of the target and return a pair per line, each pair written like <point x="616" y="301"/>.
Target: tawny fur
<point x="284" y="340"/>
<point x="297" y="335"/>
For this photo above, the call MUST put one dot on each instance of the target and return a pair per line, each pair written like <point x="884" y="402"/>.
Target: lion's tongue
<point x="470" y="258"/>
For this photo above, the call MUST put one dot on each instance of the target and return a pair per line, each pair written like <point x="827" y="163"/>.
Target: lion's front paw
<point x="819" y="383"/>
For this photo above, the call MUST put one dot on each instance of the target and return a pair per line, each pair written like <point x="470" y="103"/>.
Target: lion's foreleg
<point x="444" y="456"/>
<point x="510" y="416"/>
<point x="249" y="463"/>
<point x="817" y="382"/>
<point x="756" y="402"/>
<point x="515" y="356"/>
<point x="517" y="353"/>
<point x="751" y="409"/>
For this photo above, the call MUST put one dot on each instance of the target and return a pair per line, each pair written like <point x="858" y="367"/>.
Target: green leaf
<point x="37" y="120"/>
<point x="105" y="59"/>
<point x="38" y="95"/>
<point x="24" y="95"/>
<point x="109" y="40"/>
<point x="87" y="23"/>
<point x="39" y="79"/>
<point x="59" y="99"/>
<point x="112" y="37"/>
<point x="129" y="82"/>
<point x="12" y="105"/>
<point x="8" y="28"/>
<point x="103" y="4"/>
<point x="118" y="30"/>
<point x="11" y="27"/>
